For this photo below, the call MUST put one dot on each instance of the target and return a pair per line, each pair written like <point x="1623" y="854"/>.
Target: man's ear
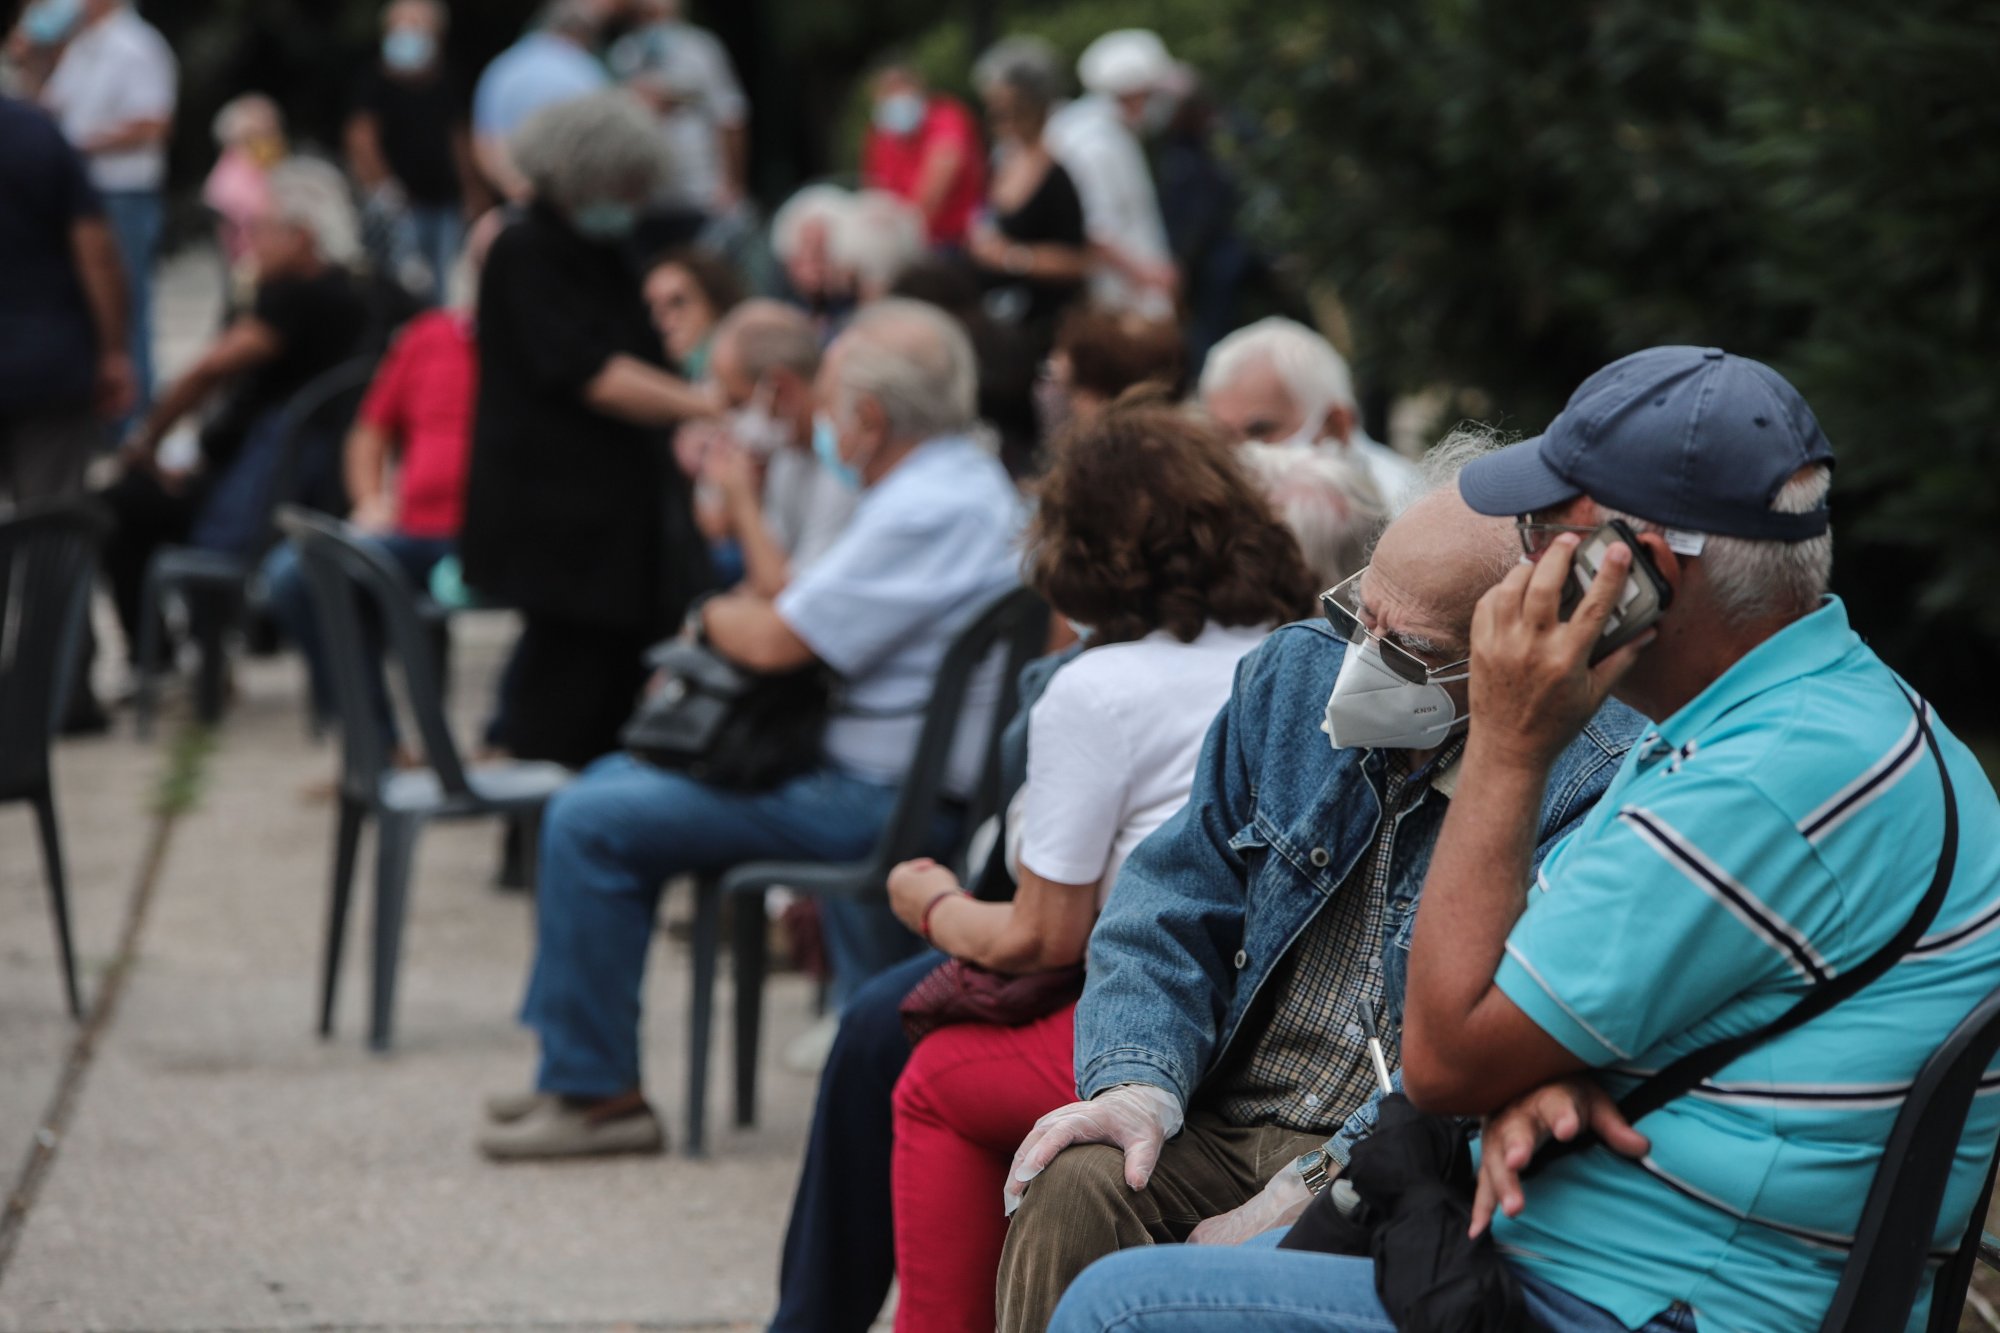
<point x="1665" y="559"/>
<point x="1338" y="424"/>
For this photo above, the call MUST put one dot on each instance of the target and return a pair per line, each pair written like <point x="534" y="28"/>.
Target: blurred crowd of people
<point x="1008" y="356"/>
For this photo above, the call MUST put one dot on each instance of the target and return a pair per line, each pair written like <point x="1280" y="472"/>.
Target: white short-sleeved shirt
<point x="806" y="507"/>
<point x="116" y="71"/>
<point x="1112" y="746"/>
<point x="1120" y="207"/>
<point x="539" y="70"/>
<point x="930" y="546"/>
<point x="698" y="68"/>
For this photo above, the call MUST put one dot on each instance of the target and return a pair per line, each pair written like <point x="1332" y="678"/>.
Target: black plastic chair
<point x="218" y="581"/>
<point x="1892" y="1245"/>
<point x="48" y="559"/>
<point x="1014" y="629"/>
<point x="349" y="580"/>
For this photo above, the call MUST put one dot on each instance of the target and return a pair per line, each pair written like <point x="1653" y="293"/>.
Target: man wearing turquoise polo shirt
<point x="1778" y="827"/>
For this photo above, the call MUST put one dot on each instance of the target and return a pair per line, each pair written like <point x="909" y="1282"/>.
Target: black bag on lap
<point x="727" y="725"/>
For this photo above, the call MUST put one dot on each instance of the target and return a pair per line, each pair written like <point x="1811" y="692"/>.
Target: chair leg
<point x="395" y="851"/>
<point x="747" y="942"/>
<point x="145" y="700"/>
<point x="701" y="1009"/>
<point x="346" y="847"/>
<point x="52" y="860"/>
<point x="211" y="617"/>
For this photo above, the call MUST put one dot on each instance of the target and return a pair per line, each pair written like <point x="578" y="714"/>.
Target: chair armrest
<point x="817" y="879"/>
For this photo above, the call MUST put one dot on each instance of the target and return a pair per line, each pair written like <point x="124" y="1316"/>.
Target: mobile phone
<point x="1640" y="603"/>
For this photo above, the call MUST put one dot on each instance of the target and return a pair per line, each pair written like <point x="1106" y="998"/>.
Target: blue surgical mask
<point x="408" y="50"/>
<point x="900" y="113"/>
<point x="606" y="222"/>
<point x="48" y="22"/>
<point x="826" y="446"/>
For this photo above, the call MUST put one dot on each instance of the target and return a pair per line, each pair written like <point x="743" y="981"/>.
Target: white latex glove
<point x="1133" y="1117"/>
<point x="1278" y="1204"/>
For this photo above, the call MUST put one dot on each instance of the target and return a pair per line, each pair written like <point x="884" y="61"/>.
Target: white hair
<point x="1313" y="373"/>
<point x="313" y="195"/>
<point x="812" y="203"/>
<point x="601" y="148"/>
<point x="916" y="363"/>
<point x="875" y="238"/>
<point x="1755" y="578"/>
<point x="1438" y="471"/>
<point x="239" y="116"/>
<point x="1329" y="503"/>
<point x="1127" y="60"/>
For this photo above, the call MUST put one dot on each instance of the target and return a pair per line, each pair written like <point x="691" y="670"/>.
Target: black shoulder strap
<point x="1691" y="1069"/>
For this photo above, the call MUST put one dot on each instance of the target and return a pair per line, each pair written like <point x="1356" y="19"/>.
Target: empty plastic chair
<point x="362" y="599"/>
<point x="48" y="558"/>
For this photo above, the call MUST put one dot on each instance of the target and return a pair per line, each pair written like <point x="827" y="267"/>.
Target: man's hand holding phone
<point x="1534" y="684"/>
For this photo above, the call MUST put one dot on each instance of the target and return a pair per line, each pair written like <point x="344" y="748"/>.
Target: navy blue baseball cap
<point x="1686" y="437"/>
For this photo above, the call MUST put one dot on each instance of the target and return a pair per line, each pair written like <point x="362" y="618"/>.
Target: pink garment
<point x="238" y="190"/>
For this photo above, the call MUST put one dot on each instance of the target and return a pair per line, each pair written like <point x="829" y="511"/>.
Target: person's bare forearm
<point x="182" y="397"/>
<point x="364" y="153"/>
<point x="497" y="165"/>
<point x="477" y="196"/>
<point x="934" y="181"/>
<point x="103" y="277"/>
<point x="1473" y="894"/>
<point x="132" y="134"/>
<point x="645" y="395"/>
<point x="364" y="464"/>
<point x="736" y="158"/>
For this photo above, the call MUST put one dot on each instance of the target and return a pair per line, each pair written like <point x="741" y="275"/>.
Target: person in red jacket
<point x="925" y="147"/>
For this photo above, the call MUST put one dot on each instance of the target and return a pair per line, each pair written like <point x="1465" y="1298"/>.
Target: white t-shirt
<point x="1112" y="746"/>
<point x="806" y="507"/>
<point x="1120" y="207"/>
<point x="116" y="71"/>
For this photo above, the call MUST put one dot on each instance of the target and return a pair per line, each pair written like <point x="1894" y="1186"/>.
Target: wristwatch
<point x="1315" y="1169"/>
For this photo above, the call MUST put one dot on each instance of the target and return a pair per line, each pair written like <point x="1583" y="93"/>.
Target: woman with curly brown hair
<point x="1151" y="537"/>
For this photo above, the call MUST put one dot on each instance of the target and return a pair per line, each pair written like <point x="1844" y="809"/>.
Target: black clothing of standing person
<point x="575" y="513"/>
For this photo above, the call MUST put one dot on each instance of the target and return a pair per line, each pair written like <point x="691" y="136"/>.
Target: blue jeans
<point x="610" y="840"/>
<point x="840" y="1247"/>
<point x="290" y="604"/>
<point x="1259" y="1288"/>
<point x="437" y="231"/>
<point x="135" y="217"/>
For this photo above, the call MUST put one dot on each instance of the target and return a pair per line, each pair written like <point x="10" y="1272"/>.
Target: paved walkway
<point x="194" y="1158"/>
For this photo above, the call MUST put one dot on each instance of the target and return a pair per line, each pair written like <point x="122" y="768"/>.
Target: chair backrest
<point x="47" y="557"/>
<point x="1892" y="1246"/>
<point x="348" y="580"/>
<point x="1012" y="629"/>
<point x="322" y="409"/>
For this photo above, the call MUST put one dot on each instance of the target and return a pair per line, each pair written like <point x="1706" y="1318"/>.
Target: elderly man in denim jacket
<point x="1250" y="942"/>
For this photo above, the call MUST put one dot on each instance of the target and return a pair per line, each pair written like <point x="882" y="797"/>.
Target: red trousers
<point x="969" y="1096"/>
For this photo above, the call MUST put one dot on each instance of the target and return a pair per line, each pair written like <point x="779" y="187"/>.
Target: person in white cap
<point x="1095" y="139"/>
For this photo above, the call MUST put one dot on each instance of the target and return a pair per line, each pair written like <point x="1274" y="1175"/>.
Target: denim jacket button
<point x="1319" y="857"/>
<point x="1242" y="960"/>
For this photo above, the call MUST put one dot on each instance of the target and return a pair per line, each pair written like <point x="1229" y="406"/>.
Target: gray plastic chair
<point x="48" y="560"/>
<point x="1014" y="628"/>
<point x="355" y="589"/>
<point x="219" y="580"/>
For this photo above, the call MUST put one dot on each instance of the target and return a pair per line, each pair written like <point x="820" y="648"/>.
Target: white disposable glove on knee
<point x="1136" y="1118"/>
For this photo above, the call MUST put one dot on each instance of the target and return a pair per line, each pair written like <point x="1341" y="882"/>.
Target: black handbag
<point x="727" y="725"/>
<point x="1411" y="1180"/>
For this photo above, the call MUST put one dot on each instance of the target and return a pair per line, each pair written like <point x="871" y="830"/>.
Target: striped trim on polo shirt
<point x="1718" y="884"/>
<point x="1809" y="1096"/>
<point x="1874" y="781"/>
